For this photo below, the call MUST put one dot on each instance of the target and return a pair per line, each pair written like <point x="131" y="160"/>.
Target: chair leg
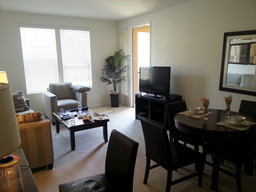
<point x="169" y="181"/>
<point x="238" y="178"/>
<point x="50" y="166"/>
<point x="147" y="171"/>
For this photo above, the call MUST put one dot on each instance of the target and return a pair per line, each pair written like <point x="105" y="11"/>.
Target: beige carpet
<point x="89" y="158"/>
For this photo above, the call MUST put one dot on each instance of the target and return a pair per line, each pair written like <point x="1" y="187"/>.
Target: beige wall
<point x="104" y="41"/>
<point x="188" y="37"/>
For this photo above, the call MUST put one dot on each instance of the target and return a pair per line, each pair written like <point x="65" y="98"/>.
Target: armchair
<point x="63" y="95"/>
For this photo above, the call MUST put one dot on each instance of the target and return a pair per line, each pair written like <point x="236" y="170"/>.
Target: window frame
<point x="58" y="50"/>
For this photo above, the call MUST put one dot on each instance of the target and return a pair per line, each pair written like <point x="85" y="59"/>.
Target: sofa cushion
<point x="67" y="103"/>
<point x="234" y="79"/>
<point x="62" y="90"/>
<point x="29" y="117"/>
<point x="247" y="80"/>
<point x="19" y="101"/>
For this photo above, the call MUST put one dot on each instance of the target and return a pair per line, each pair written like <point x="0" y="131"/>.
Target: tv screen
<point x="155" y="80"/>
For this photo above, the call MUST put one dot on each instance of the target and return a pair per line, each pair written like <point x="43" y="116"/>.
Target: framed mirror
<point x="238" y="72"/>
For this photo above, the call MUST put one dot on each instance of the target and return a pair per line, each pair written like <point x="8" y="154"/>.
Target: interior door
<point x="140" y="53"/>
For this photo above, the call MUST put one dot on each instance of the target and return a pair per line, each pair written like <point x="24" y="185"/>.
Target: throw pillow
<point x="29" y="117"/>
<point x="19" y="101"/>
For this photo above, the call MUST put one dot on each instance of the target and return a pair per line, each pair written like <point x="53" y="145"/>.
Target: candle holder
<point x="228" y="101"/>
<point x="205" y="102"/>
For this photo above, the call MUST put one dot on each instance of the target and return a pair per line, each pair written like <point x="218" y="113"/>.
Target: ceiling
<point x="99" y="9"/>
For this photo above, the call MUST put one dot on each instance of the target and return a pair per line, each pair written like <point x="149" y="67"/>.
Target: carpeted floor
<point x="89" y="157"/>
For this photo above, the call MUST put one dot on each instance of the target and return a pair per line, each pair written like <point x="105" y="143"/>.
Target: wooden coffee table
<point x="75" y="124"/>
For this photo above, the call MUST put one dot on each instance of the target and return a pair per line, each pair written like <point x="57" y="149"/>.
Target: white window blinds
<point x="39" y="57"/>
<point x="76" y="56"/>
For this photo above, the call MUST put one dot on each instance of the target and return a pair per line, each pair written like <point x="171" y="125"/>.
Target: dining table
<point x="210" y="127"/>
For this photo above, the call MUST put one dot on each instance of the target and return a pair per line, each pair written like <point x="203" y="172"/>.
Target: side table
<point x="29" y="183"/>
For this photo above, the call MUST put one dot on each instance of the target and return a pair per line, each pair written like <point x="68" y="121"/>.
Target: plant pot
<point x="114" y="100"/>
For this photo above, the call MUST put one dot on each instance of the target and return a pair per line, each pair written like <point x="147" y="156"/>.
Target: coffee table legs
<point x="105" y="132"/>
<point x="72" y="140"/>
<point x="57" y="124"/>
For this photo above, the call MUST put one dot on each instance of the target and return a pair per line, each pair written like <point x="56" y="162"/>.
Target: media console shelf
<point x="154" y="108"/>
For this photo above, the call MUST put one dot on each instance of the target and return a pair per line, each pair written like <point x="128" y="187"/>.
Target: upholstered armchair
<point x="65" y="96"/>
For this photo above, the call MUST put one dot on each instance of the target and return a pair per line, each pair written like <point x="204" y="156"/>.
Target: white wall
<point x="104" y="42"/>
<point x="189" y="38"/>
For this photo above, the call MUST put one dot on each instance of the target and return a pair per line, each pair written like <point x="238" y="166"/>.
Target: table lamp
<point x="9" y="132"/>
<point x="3" y="77"/>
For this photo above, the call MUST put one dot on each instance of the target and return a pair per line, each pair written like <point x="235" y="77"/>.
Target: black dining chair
<point x="168" y="154"/>
<point x="236" y="148"/>
<point x="174" y="133"/>
<point x="249" y="108"/>
<point x="119" y="169"/>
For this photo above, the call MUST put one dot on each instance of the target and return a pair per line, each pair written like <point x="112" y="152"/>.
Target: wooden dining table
<point x="207" y="129"/>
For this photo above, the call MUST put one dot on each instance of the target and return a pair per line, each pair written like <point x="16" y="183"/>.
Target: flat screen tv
<point x="155" y="80"/>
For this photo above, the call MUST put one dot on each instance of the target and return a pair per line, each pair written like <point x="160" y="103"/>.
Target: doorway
<point x="140" y="54"/>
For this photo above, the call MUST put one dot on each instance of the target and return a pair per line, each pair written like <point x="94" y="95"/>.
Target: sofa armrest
<point x="80" y="93"/>
<point x="80" y="88"/>
<point x="81" y="97"/>
<point x="50" y="104"/>
<point x="36" y="141"/>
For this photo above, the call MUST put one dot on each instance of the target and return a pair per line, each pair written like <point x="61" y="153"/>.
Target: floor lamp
<point x="9" y="132"/>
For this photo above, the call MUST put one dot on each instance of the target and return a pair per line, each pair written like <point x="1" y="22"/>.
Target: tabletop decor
<point x="196" y="116"/>
<point x="205" y="102"/>
<point x="228" y="101"/>
<point x="242" y="127"/>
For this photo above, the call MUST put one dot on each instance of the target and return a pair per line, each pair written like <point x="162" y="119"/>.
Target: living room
<point x="187" y="36"/>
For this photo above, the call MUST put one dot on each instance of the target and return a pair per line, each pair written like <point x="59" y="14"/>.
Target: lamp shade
<point x="9" y="132"/>
<point x="3" y="77"/>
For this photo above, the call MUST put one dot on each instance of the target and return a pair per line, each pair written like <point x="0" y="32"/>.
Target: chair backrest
<point x="251" y="139"/>
<point x="172" y="110"/>
<point x="120" y="161"/>
<point x="62" y="90"/>
<point x="248" y="108"/>
<point x="157" y="144"/>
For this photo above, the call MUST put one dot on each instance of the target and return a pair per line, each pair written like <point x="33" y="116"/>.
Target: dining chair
<point x="249" y="108"/>
<point x="237" y="148"/>
<point x="119" y="168"/>
<point x="174" y="133"/>
<point x="168" y="154"/>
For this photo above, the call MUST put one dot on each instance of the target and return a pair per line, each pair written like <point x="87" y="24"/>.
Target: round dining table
<point x="207" y="129"/>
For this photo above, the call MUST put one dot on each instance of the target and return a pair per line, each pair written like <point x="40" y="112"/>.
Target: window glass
<point x="39" y="58"/>
<point x="76" y="56"/>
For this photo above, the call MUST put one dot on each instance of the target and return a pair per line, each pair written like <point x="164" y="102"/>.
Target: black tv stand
<point x="153" y="108"/>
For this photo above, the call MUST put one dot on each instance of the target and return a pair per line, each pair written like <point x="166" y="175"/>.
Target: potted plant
<point x="112" y="73"/>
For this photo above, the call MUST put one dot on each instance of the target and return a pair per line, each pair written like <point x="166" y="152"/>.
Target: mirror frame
<point x="224" y="64"/>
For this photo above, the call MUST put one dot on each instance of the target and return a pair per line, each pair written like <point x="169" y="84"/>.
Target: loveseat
<point x="35" y="133"/>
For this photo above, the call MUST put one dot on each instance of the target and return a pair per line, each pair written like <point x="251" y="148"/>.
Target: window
<point x="76" y="56"/>
<point x="40" y="57"/>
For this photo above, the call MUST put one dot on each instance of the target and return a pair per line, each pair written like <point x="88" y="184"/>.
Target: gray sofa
<point x="65" y="96"/>
<point x="243" y="80"/>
